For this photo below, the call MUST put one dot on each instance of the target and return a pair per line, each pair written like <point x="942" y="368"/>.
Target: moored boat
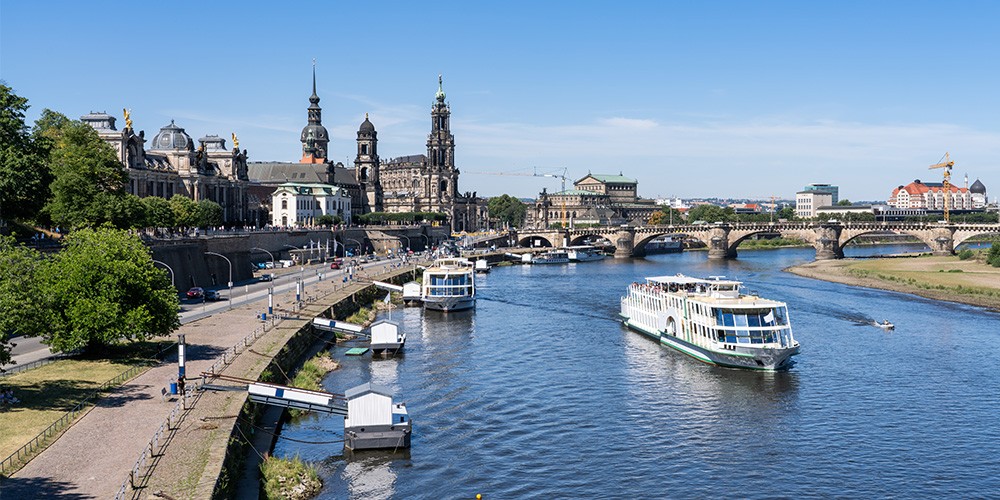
<point x="449" y="285"/>
<point x="711" y="321"/>
<point x="551" y="257"/>
<point x="583" y="253"/>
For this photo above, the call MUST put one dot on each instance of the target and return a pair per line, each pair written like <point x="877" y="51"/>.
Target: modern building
<point x="806" y="202"/>
<point x="601" y="199"/>
<point x="172" y="165"/>
<point x="414" y="183"/>
<point x="301" y="204"/>
<point x="930" y="196"/>
<point x="827" y="188"/>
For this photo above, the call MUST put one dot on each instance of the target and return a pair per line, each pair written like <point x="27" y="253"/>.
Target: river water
<point x="540" y="392"/>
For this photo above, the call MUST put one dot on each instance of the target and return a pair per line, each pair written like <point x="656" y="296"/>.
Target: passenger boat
<point x="583" y="253"/>
<point x="664" y="244"/>
<point x="449" y="285"/>
<point x="712" y="321"/>
<point x="551" y="257"/>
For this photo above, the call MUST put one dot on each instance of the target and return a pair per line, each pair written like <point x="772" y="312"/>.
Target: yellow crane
<point x="562" y="177"/>
<point x="946" y="185"/>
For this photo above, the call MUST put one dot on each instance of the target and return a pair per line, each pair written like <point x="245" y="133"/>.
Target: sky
<point x="692" y="99"/>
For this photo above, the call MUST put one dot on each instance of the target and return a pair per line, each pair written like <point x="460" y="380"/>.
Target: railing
<point x="142" y="468"/>
<point x="28" y="366"/>
<point x="17" y="459"/>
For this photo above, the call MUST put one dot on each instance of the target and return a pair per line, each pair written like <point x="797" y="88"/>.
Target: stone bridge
<point x="722" y="239"/>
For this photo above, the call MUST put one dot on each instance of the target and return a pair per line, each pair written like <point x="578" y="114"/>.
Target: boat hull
<point x="763" y="359"/>
<point x="449" y="304"/>
<point x="587" y="258"/>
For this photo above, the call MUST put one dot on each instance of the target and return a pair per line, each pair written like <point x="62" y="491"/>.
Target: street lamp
<point x="269" y="253"/>
<point x="230" y="275"/>
<point x="407" y="241"/>
<point x="427" y="241"/>
<point x="360" y="248"/>
<point x="292" y="247"/>
<point x="164" y="264"/>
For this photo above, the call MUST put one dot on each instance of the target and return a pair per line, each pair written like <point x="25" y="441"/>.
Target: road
<point x="28" y="349"/>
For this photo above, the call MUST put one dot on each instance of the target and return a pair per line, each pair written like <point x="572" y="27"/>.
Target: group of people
<point x="7" y="398"/>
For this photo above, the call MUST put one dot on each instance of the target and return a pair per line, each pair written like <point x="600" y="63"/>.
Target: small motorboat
<point x="885" y="325"/>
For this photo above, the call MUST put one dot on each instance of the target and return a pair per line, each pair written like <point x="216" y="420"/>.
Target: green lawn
<point x="46" y="393"/>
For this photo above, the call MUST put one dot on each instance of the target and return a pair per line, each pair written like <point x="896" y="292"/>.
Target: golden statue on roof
<point x="128" y="118"/>
<point x="236" y="141"/>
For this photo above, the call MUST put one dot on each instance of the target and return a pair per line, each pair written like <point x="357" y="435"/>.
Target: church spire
<point x="314" y="135"/>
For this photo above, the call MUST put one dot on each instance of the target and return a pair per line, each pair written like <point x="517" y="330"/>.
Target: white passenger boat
<point x="583" y="253"/>
<point x="449" y="285"/>
<point x="711" y="321"/>
<point x="551" y="257"/>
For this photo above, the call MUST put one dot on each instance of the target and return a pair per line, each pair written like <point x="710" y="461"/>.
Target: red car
<point x="196" y="292"/>
<point x="336" y="264"/>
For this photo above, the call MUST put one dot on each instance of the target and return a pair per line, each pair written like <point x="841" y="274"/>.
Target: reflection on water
<point x="540" y="392"/>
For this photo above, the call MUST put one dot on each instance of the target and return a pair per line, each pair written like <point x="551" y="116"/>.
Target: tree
<point x="158" y="212"/>
<point x="507" y="209"/>
<point x="102" y="289"/>
<point x="325" y="220"/>
<point x="20" y="311"/>
<point x="711" y="213"/>
<point x="787" y="213"/>
<point x="666" y="215"/>
<point x="185" y="211"/>
<point x="87" y="174"/>
<point x="844" y="203"/>
<point x="24" y="173"/>
<point x="209" y="213"/>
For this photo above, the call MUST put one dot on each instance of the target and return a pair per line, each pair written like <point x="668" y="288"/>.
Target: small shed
<point x="385" y="332"/>
<point x="368" y="405"/>
<point x="411" y="292"/>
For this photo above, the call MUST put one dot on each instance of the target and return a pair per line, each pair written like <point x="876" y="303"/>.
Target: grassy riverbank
<point x="290" y="479"/>
<point x="970" y="281"/>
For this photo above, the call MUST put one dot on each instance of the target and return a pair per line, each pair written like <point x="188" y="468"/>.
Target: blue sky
<point x="691" y="98"/>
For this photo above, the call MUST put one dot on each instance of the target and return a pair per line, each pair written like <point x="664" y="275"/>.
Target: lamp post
<point x="230" y="275"/>
<point x="164" y="264"/>
<point x="407" y="241"/>
<point x="427" y="241"/>
<point x="269" y="253"/>
<point x="290" y="246"/>
<point x="360" y="248"/>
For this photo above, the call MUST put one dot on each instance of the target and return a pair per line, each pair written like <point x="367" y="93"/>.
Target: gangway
<point x="332" y="325"/>
<point x="292" y="397"/>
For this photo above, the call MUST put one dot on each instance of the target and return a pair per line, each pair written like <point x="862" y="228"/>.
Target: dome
<point x="366" y="126"/>
<point x="977" y="187"/>
<point x="172" y="137"/>
<point x="318" y="132"/>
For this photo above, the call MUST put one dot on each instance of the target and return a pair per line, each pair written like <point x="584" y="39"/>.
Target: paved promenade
<point x="94" y="456"/>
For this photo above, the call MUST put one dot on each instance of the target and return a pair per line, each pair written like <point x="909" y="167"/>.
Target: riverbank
<point x="940" y="278"/>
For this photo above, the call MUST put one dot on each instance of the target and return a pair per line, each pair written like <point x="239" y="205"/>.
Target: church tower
<point x="314" y="136"/>
<point x="441" y="155"/>
<point x="366" y="167"/>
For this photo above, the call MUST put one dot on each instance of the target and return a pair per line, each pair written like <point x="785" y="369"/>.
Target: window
<point x="284" y="205"/>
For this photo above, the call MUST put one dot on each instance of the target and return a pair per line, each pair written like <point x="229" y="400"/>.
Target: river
<point x="540" y="392"/>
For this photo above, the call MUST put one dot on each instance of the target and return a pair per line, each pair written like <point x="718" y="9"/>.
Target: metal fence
<point x="27" y="366"/>
<point x="17" y="459"/>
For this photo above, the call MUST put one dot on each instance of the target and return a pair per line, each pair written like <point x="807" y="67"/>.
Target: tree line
<point x="60" y="173"/>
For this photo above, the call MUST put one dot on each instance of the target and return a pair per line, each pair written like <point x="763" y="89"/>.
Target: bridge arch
<point x="533" y="241"/>
<point x="964" y="236"/>
<point x="581" y="239"/>
<point x="848" y="236"/>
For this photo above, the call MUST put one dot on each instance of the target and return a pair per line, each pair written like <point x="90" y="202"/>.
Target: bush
<point x="966" y="254"/>
<point x="289" y="478"/>
<point x="993" y="257"/>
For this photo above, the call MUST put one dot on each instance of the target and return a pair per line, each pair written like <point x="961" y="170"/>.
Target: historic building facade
<point x="596" y="199"/>
<point x="930" y="196"/>
<point x="415" y="183"/>
<point x="301" y="204"/>
<point x="172" y="165"/>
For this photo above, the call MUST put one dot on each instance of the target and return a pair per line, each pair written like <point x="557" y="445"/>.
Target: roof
<point x="978" y="187"/>
<point x="279" y="172"/>
<point x="815" y="191"/>
<point x="577" y="192"/>
<point x="408" y="159"/>
<point x="610" y="178"/>
<point x="365" y="388"/>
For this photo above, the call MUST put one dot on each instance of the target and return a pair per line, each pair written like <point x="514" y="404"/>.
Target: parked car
<point x="196" y="292"/>
<point x="213" y="296"/>
<point x="267" y="277"/>
<point x="336" y="264"/>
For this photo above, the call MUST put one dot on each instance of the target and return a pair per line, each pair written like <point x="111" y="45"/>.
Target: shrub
<point x="993" y="257"/>
<point x="965" y="254"/>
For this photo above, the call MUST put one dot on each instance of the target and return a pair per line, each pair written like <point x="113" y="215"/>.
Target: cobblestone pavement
<point x="94" y="456"/>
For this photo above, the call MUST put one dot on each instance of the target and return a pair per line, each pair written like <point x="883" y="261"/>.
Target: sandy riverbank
<point x="940" y="278"/>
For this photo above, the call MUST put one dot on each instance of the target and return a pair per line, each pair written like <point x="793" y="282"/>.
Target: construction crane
<point x="525" y="174"/>
<point x="946" y="185"/>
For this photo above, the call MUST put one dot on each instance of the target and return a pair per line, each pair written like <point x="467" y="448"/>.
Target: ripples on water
<point x="541" y="393"/>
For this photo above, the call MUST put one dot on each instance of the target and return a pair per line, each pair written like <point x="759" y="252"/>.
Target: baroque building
<point x="172" y="165"/>
<point x="596" y="199"/>
<point x="414" y="183"/>
<point x="930" y="196"/>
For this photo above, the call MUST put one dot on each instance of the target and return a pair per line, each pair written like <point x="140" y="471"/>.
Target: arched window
<point x="284" y="204"/>
<point x="364" y="149"/>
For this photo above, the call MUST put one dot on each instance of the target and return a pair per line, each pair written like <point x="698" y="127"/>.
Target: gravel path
<point x="94" y="456"/>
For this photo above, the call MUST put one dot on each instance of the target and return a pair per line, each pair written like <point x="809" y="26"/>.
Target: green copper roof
<point x="612" y="178"/>
<point x="577" y="192"/>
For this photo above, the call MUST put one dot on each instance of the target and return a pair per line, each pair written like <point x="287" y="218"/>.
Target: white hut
<point x="373" y="421"/>
<point x="386" y="337"/>
<point x="411" y="293"/>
